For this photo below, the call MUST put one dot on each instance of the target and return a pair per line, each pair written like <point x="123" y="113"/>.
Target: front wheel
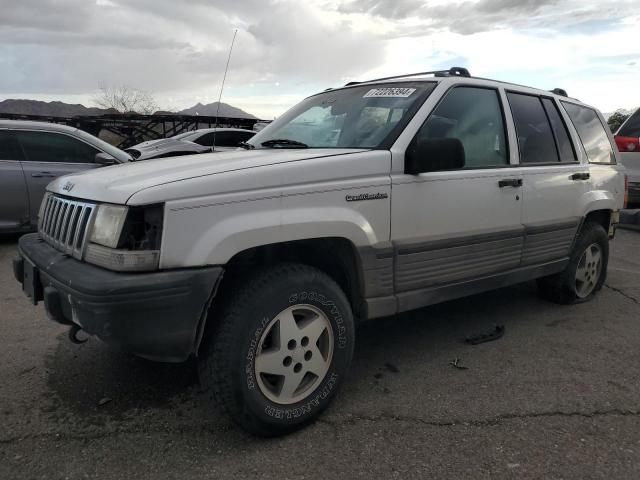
<point x="586" y="271"/>
<point x="281" y="349"/>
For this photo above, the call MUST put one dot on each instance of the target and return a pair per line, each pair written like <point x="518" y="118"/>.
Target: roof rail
<point x="452" y="72"/>
<point x="559" y="91"/>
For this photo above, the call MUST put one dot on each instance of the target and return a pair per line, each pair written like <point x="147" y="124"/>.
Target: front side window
<point x="366" y="116"/>
<point x="474" y="117"/>
<point x="591" y="132"/>
<point x="54" y="147"/>
<point x="535" y="138"/>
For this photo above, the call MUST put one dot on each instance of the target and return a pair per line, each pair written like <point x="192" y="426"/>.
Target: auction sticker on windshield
<point x="389" y="92"/>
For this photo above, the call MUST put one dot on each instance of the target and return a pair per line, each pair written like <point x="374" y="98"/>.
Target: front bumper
<point x="157" y="315"/>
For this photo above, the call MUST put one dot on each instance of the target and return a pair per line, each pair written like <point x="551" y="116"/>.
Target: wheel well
<point x="337" y="257"/>
<point x="601" y="217"/>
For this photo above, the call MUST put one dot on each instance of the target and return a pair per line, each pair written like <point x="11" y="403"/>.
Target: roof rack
<point x="452" y="72"/>
<point x="559" y="91"/>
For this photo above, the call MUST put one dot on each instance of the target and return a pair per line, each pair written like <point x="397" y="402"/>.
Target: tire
<point x="581" y="279"/>
<point x="262" y="330"/>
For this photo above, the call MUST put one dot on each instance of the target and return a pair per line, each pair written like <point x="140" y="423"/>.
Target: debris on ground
<point x="456" y="363"/>
<point x="493" y="334"/>
<point x="391" y="367"/>
<point x="104" y="401"/>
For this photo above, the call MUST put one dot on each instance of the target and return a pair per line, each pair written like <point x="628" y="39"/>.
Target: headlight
<point x="126" y="238"/>
<point x="107" y="226"/>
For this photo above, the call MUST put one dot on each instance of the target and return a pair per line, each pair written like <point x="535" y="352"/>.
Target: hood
<point x="166" y="147"/>
<point x="142" y="145"/>
<point x="116" y="184"/>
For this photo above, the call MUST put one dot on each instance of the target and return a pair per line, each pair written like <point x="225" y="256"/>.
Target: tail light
<point x="626" y="191"/>
<point x="627" y="144"/>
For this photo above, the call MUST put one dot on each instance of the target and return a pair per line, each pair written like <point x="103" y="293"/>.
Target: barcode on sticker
<point x="389" y="92"/>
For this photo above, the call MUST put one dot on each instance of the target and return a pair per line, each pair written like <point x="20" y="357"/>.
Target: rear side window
<point x="631" y="128"/>
<point x="565" y="147"/>
<point x="592" y="133"/>
<point x="224" y="139"/>
<point x="9" y="149"/>
<point x="54" y="147"/>
<point x="536" y="143"/>
<point x="473" y="116"/>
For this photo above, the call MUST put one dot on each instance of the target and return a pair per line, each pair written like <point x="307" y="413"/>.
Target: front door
<point x="14" y="204"/>
<point x="48" y="155"/>
<point x="452" y="227"/>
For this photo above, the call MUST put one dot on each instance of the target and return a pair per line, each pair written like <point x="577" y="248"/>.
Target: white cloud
<point x="286" y="49"/>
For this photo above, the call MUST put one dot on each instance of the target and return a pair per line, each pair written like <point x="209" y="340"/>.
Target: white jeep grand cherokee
<point x="359" y="202"/>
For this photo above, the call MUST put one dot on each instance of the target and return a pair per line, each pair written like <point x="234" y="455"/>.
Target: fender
<point x="596" y="200"/>
<point x="267" y="224"/>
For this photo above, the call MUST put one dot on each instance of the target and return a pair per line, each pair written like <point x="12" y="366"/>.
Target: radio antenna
<point x="235" y="32"/>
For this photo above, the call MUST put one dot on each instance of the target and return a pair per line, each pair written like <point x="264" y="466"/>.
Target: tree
<point x="616" y="119"/>
<point x="125" y="99"/>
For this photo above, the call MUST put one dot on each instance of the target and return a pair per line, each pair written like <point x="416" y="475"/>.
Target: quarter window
<point x="565" y="147"/>
<point x="592" y="133"/>
<point x="535" y="138"/>
<point x="473" y="116"/>
<point x="54" y="147"/>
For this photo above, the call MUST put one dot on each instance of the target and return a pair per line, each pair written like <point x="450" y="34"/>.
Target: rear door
<point x="14" y="206"/>
<point x="553" y="178"/>
<point x="48" y="155"/>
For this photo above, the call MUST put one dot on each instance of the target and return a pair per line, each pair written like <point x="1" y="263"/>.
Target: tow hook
<point x="73" y="335"/>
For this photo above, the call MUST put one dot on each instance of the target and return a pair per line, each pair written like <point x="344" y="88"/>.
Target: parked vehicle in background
<point x="628" y="142"/>
<point x="189" y="143"/>
<point x="359" y="202"/>
<point x="32" y="154"/>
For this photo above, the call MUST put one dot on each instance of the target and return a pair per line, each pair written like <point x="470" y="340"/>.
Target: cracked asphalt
<point x="557" y="397"/>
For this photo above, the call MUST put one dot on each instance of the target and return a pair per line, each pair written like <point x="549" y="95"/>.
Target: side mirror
<point x="104" y="159"/>
<point x="434" y="155"/>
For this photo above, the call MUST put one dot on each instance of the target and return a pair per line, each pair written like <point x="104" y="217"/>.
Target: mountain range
<point x="61" y="109"/>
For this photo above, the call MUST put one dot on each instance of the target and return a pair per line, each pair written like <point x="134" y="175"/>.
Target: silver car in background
<point x="32" y="154"/>
<point x="190" y="143"/>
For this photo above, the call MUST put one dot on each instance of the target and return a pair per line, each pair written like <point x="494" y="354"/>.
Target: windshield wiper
<point x="247" y="146"/>
<point x="284" y="143"/>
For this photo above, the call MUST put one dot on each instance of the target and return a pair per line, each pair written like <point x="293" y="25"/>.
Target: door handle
<point x="581" y="176"/>
<point x="42" y="175"/>
<point x="510" y="182"/>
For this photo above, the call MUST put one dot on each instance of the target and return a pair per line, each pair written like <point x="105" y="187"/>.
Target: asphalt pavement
<point x="558" y="396"/>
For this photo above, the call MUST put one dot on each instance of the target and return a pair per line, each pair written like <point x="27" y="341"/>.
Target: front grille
<point x="64" y="224"/>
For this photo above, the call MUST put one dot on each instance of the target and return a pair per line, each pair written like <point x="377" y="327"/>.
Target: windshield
<point x="115" y="152"/>
<point x="367" y="116"/>
<point x="185" y="135"/>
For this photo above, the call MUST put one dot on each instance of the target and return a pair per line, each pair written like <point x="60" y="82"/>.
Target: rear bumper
<point x="155" y="315"/>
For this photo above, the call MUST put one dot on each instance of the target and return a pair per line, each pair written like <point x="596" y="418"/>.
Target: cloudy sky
<point x="288" y="49"/>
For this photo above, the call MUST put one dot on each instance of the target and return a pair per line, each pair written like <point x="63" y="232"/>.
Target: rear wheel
<point x="281" y="349"/>
<point x="586" y="271"/>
